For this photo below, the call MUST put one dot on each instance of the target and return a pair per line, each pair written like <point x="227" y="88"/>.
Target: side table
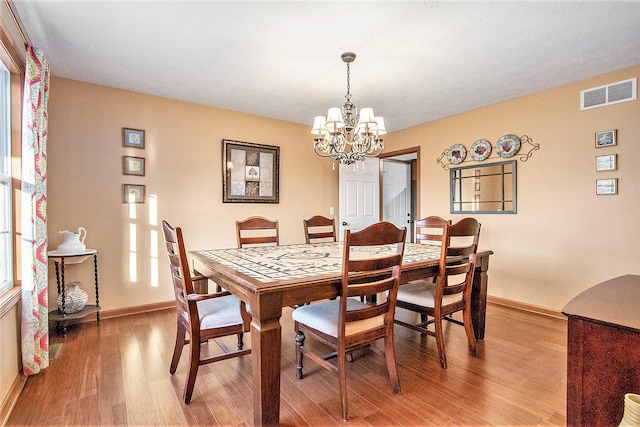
<point x="61" y="259"/>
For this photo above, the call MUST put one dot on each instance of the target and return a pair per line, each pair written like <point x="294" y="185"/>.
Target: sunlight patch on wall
<point x="133" y="258"/>
<point x="153" y="209"/>
<point x="153" y="244"/>
<point x="154" y="258"/>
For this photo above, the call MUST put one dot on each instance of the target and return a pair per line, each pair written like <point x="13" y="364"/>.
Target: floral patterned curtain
<point x="35" y="319"/>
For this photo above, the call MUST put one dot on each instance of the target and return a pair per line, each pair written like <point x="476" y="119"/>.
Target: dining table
<point x="269" y="278"/>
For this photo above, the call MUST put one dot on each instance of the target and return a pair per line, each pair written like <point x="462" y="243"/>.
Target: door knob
<point x="344" y="223"/>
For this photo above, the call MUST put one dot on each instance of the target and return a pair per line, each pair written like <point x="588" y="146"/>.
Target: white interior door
<point x="396" y="193"/>
<point x="359" y="195"/>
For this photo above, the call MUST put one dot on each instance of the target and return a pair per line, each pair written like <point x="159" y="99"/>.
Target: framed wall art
<point x="133" y="165"/>
<point x="607" y="186"/>
<point x="605" y="138"/>
<point x="250" y="172"/>
<point x="133" y="138"/>
<point x="133" y="193"/>
<point x="607" y="162"/>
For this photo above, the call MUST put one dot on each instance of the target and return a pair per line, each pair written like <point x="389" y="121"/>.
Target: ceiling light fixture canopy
<point x="343" y="128"/>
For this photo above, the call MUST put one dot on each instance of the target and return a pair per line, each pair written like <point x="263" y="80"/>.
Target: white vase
<point x="631" y="417"/>
<point x="74" y="298"/>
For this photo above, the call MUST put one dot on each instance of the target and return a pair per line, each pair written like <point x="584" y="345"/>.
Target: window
<point x="6" y="235"/>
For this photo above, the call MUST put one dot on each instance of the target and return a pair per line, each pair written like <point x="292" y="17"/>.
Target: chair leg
<point x="440" y="342"/>
<point x="194" y="363"/>
<point x="468" y="327"/>
<point x="177" y="350"/>
<point x="342" y="378"/>
<point x="423" y="320"/>
<point x="299" y="353"/>
<point x="240" y="341"/>
<point x="390" y="357"/>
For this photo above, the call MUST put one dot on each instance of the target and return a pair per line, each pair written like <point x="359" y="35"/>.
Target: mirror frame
<point x="455" y="182"/>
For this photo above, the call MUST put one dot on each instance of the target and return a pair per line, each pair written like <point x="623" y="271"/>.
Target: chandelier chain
<point x="348" y="95"/>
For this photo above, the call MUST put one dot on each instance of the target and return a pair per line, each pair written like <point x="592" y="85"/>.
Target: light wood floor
<point x="118" y="374"/>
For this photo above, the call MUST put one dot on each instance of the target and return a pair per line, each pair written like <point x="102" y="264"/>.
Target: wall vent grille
<point x="613" y="93"/>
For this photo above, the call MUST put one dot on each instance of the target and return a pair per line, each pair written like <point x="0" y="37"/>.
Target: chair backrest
<point x="257" y="230"/>
<point x="180" y="273"/>
<point x="430" y="230"/>
<point x="371" y="272"/>
<point x="462" y="241"/>
<point x="319" y="229"/>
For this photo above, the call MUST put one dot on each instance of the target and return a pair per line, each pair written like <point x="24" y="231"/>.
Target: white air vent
<point x="609" y="94"/>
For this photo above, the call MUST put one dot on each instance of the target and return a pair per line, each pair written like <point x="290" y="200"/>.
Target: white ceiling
<point x="417" y="61"/>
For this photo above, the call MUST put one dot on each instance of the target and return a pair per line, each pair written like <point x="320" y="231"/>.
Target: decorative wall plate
<point x="508" y="145"/>
<point x="457" y="153"/>
<point x="480" y="149"/>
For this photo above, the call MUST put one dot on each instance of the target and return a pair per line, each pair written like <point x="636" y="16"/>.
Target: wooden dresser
<point x="603" y="360"/>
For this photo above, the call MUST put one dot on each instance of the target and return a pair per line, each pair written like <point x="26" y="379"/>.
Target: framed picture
<point x="605" y="138"/>
<point x="133" y="138"/>
<point x="133" y="193"/>
<point x="607" y="186"/>
<point x="250" y="172"/>
<point x="133" y="165"/>
<point x="607" y="162"/>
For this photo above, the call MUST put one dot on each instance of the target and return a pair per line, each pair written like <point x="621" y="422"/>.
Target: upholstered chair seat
<point x="219" y="312"/>
<point x="324" y="317"/>
<point x="423" y="294"/>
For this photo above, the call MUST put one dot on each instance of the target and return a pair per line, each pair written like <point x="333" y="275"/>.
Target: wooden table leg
<point x="479" y="296"/>
<point x="266" y="336"/>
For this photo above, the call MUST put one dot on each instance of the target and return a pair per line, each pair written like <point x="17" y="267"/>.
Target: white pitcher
<point x="73" y="242"/>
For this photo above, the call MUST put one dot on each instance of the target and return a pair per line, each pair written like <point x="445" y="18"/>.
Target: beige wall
<point x="183" y="171"/>
<point x="564" y="238"/>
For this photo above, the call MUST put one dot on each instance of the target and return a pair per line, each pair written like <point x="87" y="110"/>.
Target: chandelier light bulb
<point x="380" y="130"/>
<point x="334" y="117"/>
<point x="319" y="125"/>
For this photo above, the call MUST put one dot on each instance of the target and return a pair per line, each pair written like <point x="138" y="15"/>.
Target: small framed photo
<point x="607" y="186"/>
<point x="607" y="162"/>
<point x="133" y="138"/>
<point x="133" y="193"/>
<point x="606" y="138"/>
<point x="133" y="165"/>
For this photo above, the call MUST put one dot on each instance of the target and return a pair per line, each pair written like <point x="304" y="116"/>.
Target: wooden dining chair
<point x="429" y="230"/>
<point x="347" y="323"/>
<point x="451" y="291"/>
<point x="319" y="229"/>
<point x="257" y="230"/>
<point x="203" y="317"/>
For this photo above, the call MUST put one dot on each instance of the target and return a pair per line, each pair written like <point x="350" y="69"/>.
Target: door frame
<point x="390" y="155"/>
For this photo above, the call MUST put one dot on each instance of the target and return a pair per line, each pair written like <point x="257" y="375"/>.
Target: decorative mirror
<point x="484" y="188"/>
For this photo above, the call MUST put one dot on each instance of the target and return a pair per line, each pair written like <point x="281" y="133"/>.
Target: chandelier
<point x="343" y="128"/>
